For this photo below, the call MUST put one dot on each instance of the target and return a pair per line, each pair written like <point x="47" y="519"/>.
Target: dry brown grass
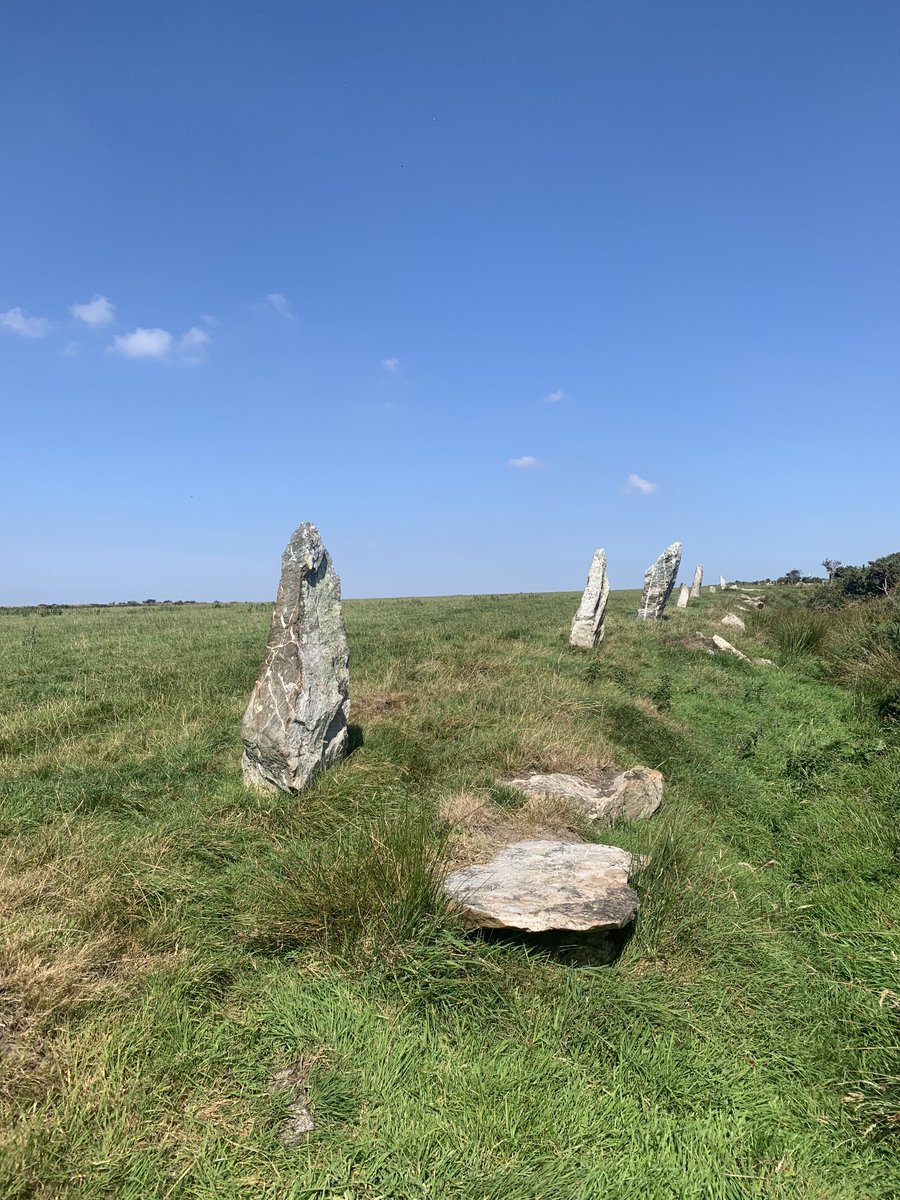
<point x="479" y="828"/>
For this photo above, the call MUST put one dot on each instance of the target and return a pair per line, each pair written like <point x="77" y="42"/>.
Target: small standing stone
<point x="587" y="624"/>
<point x="296" y="721"/>
<point x="722" y="584"/>
<point x="659" y="579"/>
<point x="698" y="582"/>
<point x="683" y="596"/>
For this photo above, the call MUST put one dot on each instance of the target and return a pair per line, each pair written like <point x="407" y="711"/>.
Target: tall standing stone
<point x="296" y="721"/>
<point x="698" y="582"/>
<point x="683" y="596"/>
<point x="659" y="579"/>
<point x="722" y="584"/>
<point x="587" y="624"/>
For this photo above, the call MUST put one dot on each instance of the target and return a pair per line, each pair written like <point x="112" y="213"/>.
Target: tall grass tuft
<point x="863" y="649"/>
<point x="797" y="632"/>
<point x="371" y="887"/>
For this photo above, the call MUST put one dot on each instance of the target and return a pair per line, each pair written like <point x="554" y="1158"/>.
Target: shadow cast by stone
<point x="564" y="946"/>
<point x="356" y="738"/>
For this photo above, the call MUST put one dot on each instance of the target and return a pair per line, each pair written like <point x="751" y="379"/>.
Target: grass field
<point x="171" y="941"/>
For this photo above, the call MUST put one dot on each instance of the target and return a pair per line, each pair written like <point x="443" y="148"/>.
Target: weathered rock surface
<point x="722" y="584"/>
<point x="763" y="662"/>
<point x="721" y="644"/>
<point x="632" y="795"/>
<point x="712" y="587"/>
<point x="754" y="601"/>
<point x="684" y="595"/>
<point x="295" y="723"/>
<point x="587" y="624"/>
<point x="735" y="621"/>
<point x="659" y="579"/>
<point x="542" y="886"/>
<point x="698" y="581"/>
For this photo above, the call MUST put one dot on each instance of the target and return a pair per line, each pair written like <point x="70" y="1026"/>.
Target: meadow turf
<point x="171" y="941"/>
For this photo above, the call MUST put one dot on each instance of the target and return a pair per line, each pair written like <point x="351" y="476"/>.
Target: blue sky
<point x="441" y="277"/>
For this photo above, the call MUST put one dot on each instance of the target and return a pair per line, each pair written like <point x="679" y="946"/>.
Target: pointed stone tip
<point x="305" y="546"/>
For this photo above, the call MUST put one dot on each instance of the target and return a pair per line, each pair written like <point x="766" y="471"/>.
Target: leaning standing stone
<point x="587" y="624"/>
<point x="659" y="580"/>
<point x="684" y="595"/>
<point x="698" y="582"/>
<point x="296" y="721"/>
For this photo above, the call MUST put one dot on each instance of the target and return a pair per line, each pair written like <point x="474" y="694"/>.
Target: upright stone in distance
<point x="684" y="594"/>
<point x="659" y="579"/>
<point x="698" y="582"/>
<point x="722" y="584"/>
<point x="587" y="624"/>
<point x="296" y="721"/>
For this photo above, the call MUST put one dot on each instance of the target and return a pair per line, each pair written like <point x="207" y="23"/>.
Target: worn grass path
<point x="170" y="941"/>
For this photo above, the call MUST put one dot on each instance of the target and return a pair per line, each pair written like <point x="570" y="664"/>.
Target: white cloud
<point x="71" y="349"/>
<point x="188" y="350"/>
<point x="143" y="343"/>
<point x="275" y="303"/>
<point x="96" y="312"/>
<point x="524" y="463"/>
<point x="391" y="364"/>
<point x="30" y="327"/>
<point x="555" y="397"/>
<point x="192" y="346"/>
<point x="644" y="486"/>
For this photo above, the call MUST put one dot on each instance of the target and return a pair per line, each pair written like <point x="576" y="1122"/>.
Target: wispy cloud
<point x="29" y="327"/>
<point x="97" y="311"/>
<point x="391" y="364"/>
<point x="72" y="348"/>
<point x="524" y="463"/>
<point x="555" y="397"/>
<point x="276" y="303"/>
<point x="192" y="346"/>
<point x="634" y="483"/>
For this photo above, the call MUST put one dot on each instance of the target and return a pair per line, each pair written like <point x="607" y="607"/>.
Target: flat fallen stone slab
<point x="543" y="886"/>
<point x="632" y="795"/>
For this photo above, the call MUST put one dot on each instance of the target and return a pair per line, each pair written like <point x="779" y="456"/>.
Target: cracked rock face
<point x="631" y="796"/>
<point x="659" y="579"/>
<point x="587" y="625"/>
<point x="543" y="886"/>
<point x="698" y="582"/>
<point x="296" y="721"/>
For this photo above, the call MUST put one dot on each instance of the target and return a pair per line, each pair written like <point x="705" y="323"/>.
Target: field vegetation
<point x="184" y="961"/>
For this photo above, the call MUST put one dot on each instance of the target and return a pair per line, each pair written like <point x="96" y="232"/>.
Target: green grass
<point x="171" y="940"/>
